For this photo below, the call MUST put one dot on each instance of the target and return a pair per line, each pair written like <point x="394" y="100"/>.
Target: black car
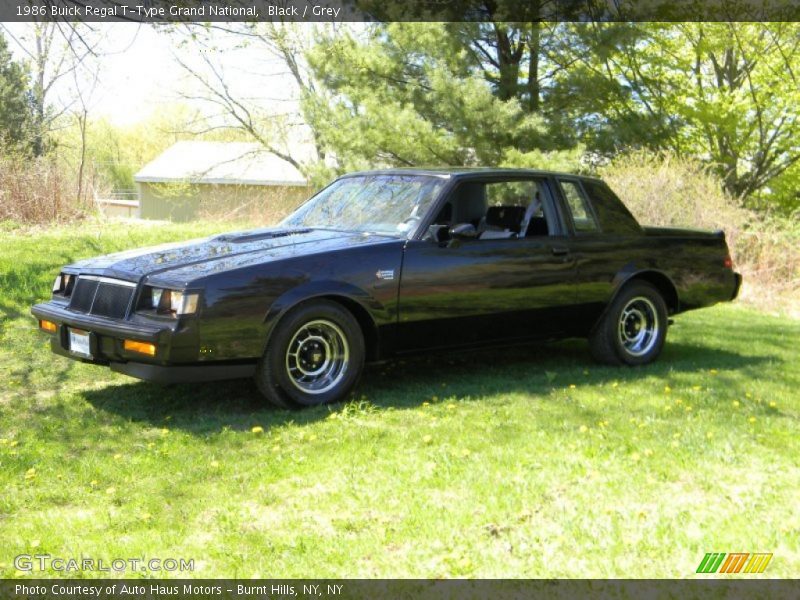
<point x="384" y="263"/>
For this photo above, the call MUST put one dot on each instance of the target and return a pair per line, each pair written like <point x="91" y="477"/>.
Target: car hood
<point x="180" y="263"/>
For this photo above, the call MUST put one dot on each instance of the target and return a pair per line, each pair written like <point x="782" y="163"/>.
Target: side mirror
<point x="463" y="231"/>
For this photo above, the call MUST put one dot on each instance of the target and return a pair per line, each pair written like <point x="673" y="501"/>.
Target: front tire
<point x="633" y="329"/>
<point x="314" y="356"/>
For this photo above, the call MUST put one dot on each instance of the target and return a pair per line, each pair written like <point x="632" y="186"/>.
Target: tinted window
<point x="578" y="205"/>
<point x="613" y="215"/>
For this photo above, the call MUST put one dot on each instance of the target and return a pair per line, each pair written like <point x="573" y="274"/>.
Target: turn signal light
<point x="140" y="347"/>
<point x="47" y="326"/>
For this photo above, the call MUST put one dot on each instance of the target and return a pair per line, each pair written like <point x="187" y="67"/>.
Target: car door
<point x="475" y="291"/>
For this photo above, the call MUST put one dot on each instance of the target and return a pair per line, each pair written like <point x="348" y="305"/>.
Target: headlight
<point x="168" y="302"/>
<point x="63" y="284"/>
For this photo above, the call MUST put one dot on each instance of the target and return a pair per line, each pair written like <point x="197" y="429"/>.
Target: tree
<point x="15" y="106"/>
<point x="281" y="48"/>
<point x="436" y="93"/>
<point x="723" y="92"/>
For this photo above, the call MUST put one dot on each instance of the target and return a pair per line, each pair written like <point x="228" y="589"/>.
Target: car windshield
<point x="386" y="204"/>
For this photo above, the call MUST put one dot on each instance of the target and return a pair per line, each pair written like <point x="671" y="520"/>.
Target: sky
<point x="139" y="73"/>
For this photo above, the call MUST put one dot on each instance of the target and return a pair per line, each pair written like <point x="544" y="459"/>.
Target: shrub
<point x="667" y="191"/>
<point x="40" y="190"/>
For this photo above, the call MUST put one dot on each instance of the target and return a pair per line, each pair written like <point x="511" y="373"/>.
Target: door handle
<point x="560" y="250"/>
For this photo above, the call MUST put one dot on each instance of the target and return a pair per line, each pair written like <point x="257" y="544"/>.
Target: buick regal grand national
<point x="385" y="263"/>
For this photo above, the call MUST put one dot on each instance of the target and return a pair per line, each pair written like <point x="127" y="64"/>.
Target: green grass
<point x="525" y="462"/>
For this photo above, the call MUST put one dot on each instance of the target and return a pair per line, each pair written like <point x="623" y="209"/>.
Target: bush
<point x="663" y="190"/>
<point x="40" y="190"/>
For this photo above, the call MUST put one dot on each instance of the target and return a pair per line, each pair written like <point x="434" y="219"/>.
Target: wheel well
<point x="663" y="284"/>
<point x="364" y="321"/>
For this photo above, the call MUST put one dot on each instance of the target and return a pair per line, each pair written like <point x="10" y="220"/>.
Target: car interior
<point x="496" y="210"/>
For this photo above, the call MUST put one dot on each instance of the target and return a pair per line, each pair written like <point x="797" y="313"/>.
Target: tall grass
<point x="41" y="190"/>
<point x="664" y="190"/>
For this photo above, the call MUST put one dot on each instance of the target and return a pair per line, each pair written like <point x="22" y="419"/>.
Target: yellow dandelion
<point x="111" y="490"/>
<point x="773" y="404"/>
<point x="667" y="389"/>
<point x="13" y="443"/>
<point x="311" y="438"/>
<point x="572" y="386"/>
<point x="164" y="431"/>
<point x="688" y="409"/>
<point x="451" y="406"/>
<point x="752" y="419"/>
<point x="259" y="429"/>
<point x="151" y="444"/>
<point x="678" y="400"/>
<point x="676" y="435"/>
<point x="710" y="435"/>
<point x="214" y="464"/>
<point x="713" y="371"/>
<point x="602" y="423"/>
<point x="117" y="456"/>
<point x="93" y="483"/>
<point x="584" y="429"/>
<point x="426" y="404"/>
<point x="648" y="452"/>
<point x="747" y="395"/>
<point x="668" y="408"/>
<point x="697" y="388"/>
<point x="30" y="473"/>
<point x="736" y="404"/>
<point x="427" y="439"/>
<point x="276" y="448"/>
<point x="615" y="384"/>
<point x="3" y="441"/>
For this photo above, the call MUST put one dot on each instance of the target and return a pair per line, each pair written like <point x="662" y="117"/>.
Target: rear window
<point x="614" y="217"/>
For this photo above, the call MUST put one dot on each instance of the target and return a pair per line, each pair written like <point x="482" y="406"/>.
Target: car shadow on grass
<point x="207" y="408"/>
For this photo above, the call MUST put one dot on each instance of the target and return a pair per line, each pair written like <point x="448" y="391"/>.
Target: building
<point x="191" y="180"/>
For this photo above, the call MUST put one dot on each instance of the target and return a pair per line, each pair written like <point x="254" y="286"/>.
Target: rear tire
<point x="633" y="328"/>
<point x="314" y="356"/>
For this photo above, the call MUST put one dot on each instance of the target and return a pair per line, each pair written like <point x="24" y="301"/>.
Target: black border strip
<point x="164" y="11"/>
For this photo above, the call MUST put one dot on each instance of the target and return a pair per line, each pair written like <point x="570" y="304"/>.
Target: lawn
<point x="526" y="462"/>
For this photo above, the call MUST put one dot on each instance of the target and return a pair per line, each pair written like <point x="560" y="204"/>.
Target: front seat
<point x="501" y="222"/>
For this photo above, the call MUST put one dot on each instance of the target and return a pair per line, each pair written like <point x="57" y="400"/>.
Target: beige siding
<point x="186" y="202"/>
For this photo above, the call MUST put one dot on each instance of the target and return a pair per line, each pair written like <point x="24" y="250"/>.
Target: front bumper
<point x="176" y="342"/>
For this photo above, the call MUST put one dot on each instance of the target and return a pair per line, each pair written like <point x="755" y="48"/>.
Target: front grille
<point x="83" y="294"/>
<point x="101" y="296"/>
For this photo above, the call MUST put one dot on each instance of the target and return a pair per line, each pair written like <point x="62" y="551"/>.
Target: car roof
<point x="467" y="172"/>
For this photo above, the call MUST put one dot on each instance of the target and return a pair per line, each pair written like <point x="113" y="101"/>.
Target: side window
<point x="497" y="209"/>
<point x="582" y="215"/>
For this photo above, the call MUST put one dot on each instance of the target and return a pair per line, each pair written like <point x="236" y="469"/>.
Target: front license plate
<point x="79" y="343"/>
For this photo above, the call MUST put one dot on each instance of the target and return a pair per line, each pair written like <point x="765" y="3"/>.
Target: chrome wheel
<point x="638" y="326"/>
<point x="317" y="357"/>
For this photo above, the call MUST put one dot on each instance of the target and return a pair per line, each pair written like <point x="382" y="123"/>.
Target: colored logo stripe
<point x="711" y="562"/>
<point x="736" y="562"/>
